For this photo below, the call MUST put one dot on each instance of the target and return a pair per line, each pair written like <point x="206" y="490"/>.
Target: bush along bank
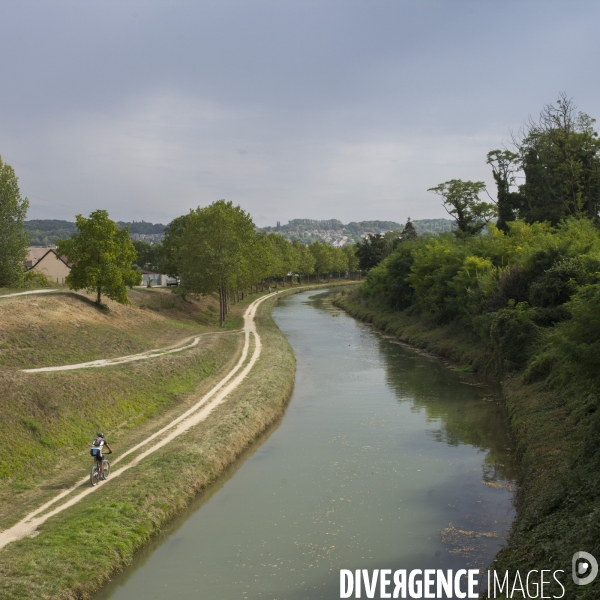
<point x="129" y="511"/>
<point x="522" y="307"/>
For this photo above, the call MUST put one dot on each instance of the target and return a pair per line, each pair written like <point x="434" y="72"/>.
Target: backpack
<point x="97" y="446"/>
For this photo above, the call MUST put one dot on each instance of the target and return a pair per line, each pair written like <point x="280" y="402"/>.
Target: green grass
<point x="28" y="286"/>
<point x="50" y="433"/>
<point x="48" y="419"/>
<point x="71" y="343"/>
<point x="52" y="330"/>
<point x="558" y="499"/>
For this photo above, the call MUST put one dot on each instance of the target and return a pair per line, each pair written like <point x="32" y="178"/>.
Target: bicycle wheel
<point x="106" y="469"/>
<point x="95" y="475"/>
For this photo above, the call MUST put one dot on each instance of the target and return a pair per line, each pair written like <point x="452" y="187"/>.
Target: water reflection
<point x="468" y="409"/>
<point x="384" y="459"/>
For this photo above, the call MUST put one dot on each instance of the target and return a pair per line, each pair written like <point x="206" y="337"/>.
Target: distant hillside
<point x="46" y="232"/>
<point x="336" y="233"/>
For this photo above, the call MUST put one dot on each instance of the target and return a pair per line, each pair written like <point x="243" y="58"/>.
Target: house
<point x="46" y="261"/>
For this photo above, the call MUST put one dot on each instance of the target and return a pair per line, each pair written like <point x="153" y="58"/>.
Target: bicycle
<point x="95" y="473"/>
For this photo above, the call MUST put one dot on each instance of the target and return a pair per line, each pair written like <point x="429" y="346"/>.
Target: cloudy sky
<point x="292" y="109"/>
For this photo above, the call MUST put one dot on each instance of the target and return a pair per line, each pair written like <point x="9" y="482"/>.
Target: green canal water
<point x="385" y="458"/>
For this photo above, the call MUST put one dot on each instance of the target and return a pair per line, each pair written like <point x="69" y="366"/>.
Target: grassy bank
<point x="62" y="328"/>
<point x="124" y="515"/>
<point x="558" y="504"/>
<point x="47" y="418"/>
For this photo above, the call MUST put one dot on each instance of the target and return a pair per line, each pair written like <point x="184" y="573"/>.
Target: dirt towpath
<point x="119" y="360"/>
<point x="29" y="293"/>
<point x="194" y="415"/>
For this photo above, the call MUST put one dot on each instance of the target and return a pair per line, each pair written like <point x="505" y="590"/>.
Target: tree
<point x="171" y="247"/>
<point x="13" y="237"/>
<point x="215" y="250"/>
<point x="560" y="156"/>
<point x="305" y="264"/>
<point x="148" y="255"/>
<point x="339" y="261"/>
<point x="505" y="164"/>
<point x="323" y="256"/>
<point x="261" y="259"/>
<point x="102" y="255"/>
<point x="409" y="232"/>
<point x="350" y="252"/>
<point x="461" y="201"/>
<point x="372" y="250"/>
<point x="283" y="258"/>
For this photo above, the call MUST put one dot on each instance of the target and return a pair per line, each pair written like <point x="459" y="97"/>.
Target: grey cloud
<point x="293" y="109"/>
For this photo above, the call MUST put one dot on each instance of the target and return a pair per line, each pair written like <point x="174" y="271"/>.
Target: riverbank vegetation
<point x="520" y="300"/>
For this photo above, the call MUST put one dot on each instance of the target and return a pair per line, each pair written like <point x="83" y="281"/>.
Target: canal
<point x="385" y="458"/>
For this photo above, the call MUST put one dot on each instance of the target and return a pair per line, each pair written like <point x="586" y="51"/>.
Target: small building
<point x="150" y="278"/>
<point x="46" y="261"/>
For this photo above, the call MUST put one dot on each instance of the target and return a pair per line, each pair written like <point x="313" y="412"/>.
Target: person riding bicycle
<point x="97" y="452"/>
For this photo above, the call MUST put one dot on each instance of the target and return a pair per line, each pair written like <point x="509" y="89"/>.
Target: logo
<point x="585" y="568"/>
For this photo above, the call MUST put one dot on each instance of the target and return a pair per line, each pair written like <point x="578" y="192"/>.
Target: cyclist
<point x="97" y="446"/>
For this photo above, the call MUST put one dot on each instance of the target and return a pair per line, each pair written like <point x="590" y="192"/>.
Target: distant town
<point x="45" y="232"/>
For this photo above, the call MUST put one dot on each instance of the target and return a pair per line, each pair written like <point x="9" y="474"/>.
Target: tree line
<point x="557" y="160"/>
<point x="212" y="249"/>
<point x="531" y="280"/>
<point x="217" y="248"/>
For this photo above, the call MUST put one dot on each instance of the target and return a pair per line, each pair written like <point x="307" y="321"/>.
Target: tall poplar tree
<point x="323" y="255"/>
<point x="283" y="256"/>
<point x="13" y="237"/>
<point x="305" y="264"/>
<point x="350" y="252"/>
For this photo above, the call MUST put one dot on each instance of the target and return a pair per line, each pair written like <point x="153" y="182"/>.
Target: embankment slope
<point x="128" y="511"/>
<point x="47" y="418"/>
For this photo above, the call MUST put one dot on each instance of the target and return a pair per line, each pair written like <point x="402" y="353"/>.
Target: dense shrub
<point x="556" y="285"/>
<point x="400" y="293"/>
<point x="512" y="284"/>
<point x="432" y="273"/>
<point x="506" y="287"/>
<point x="514" y="334"/>
<point x="578" y="339"/>
<point x="376" y="282"/>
